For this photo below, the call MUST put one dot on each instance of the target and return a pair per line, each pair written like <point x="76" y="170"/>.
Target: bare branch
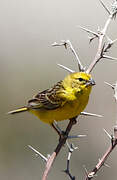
<point x="62" y="141"/>
<point x="101" y="35"/>
<point x="102" y="161"/>
<point x="71" y="148"/>
<point x="68" y="44"/>
<point x="98" y="55"/>
<point x="101" y="50"/>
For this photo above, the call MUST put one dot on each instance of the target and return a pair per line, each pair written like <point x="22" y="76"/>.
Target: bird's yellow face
<point x="79" y="81"/>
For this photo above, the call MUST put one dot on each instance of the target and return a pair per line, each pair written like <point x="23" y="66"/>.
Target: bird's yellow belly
<point x="69" y="110"/>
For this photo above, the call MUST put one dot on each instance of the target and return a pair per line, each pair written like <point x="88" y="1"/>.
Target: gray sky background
<point x="28" y="64"/>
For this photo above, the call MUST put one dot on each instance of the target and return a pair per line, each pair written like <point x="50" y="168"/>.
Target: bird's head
<point x="79" y="81"/>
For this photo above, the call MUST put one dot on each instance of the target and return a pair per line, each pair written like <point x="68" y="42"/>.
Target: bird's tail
<point x="18" y="110"/>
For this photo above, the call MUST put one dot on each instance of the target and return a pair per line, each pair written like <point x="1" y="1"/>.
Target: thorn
<point x="89" y="31"/>
<point x="112" y="86"/>
<point x="63" y="43"/>
<point x="107" y="10"/>
<point x="91" y="38"/>
<point x="77" y="136"/>
<point x="38" y="153"/>
<point x="110" y="137"/>
<point x="66" y="68"/>
<point x="90" y="114"/>
<point x="109" y="57"/>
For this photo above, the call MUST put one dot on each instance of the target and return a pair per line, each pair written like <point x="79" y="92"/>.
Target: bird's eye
<point x="80" y="79"/>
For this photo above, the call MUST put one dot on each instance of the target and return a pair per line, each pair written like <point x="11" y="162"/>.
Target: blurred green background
<point x="28" y="64"/>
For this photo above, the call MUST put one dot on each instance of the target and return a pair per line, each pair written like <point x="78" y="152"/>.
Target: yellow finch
<point x="65" y="100"/>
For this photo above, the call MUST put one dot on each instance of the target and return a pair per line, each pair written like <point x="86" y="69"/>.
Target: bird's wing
<point x="48" y="99"/>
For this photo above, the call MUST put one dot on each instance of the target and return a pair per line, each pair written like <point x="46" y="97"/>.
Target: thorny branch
<point x="71" y="148"/>
<point x="113" y="139"/>
<point x="49" y="161"/>
<point x="58" y="148"/>
<point x="68" y="44"/>
<point x="102" y="161"/>
<point x="103" y="47"/>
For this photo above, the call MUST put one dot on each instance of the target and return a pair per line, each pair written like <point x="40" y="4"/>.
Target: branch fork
<point x="102" y="161"/>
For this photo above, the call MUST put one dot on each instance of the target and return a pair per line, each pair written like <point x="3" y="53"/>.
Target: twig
<point x="58" y="148"/>
<point x="67" y="43"/>
<point x="102" y="161"/>
<point x="71" y="148"/>
<point x="113" y="139"/>
<point x="100" y="51"/>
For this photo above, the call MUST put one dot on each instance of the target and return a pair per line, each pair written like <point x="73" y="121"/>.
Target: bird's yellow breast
<point x="69" y="110"/>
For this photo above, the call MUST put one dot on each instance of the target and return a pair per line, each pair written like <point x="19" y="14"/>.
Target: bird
<point x="64" y="100"/>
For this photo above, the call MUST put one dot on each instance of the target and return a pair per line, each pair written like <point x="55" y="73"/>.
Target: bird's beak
<point x="91" y="82"/>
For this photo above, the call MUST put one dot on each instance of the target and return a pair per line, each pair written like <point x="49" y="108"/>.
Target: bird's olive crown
<point x="80" y="77"/>
<point x="76" y="79"/>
